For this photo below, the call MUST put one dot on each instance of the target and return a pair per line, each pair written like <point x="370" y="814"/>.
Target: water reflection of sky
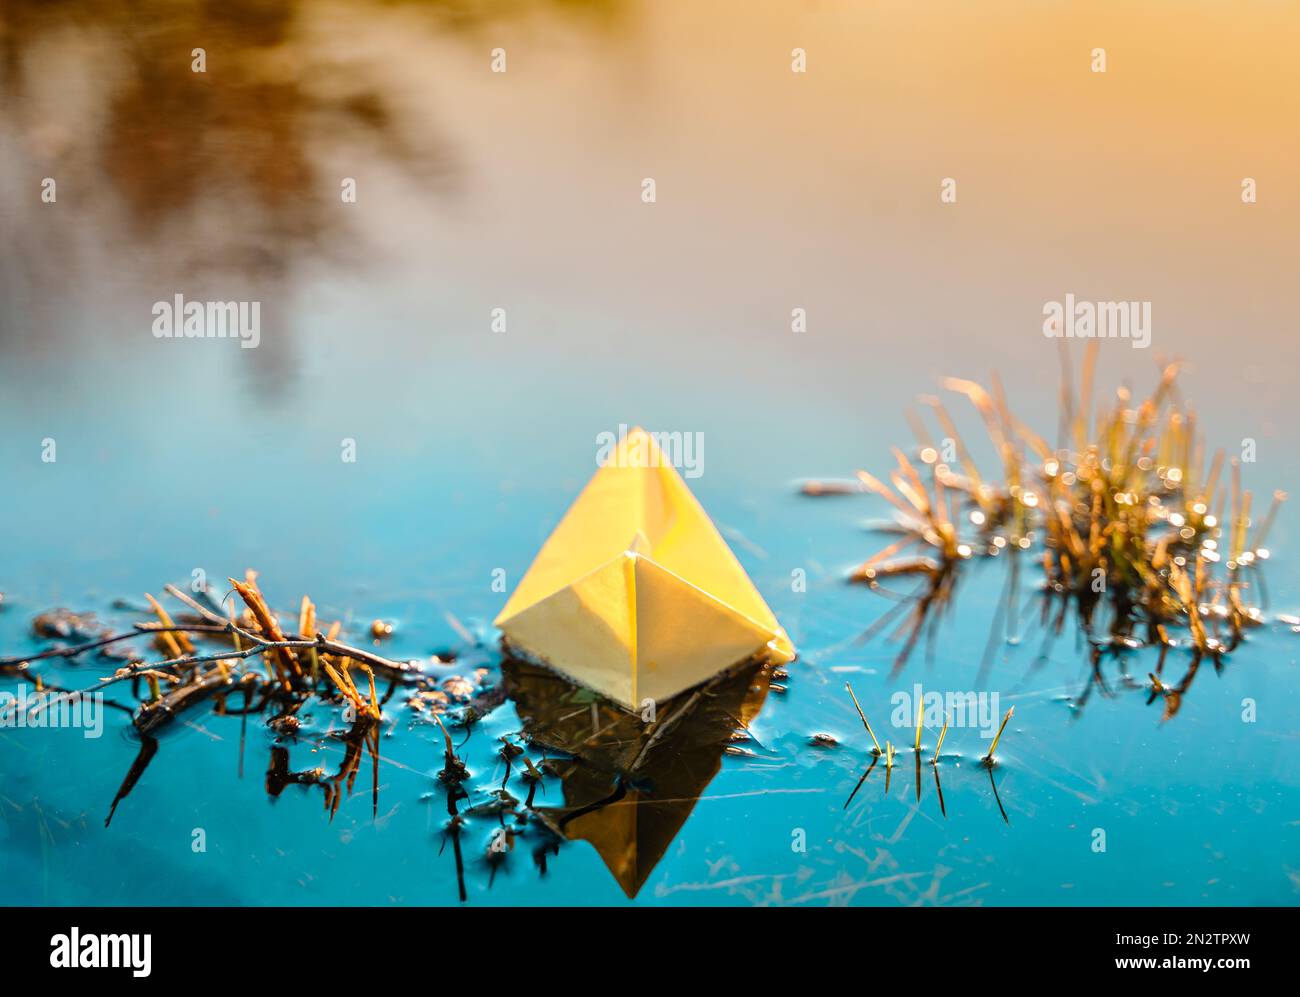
<point x="521" y="191"/>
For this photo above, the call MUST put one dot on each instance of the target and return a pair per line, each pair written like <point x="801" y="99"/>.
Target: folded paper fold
<point x="635" y="594"/>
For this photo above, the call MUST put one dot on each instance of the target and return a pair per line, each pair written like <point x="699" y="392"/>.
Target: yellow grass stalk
<point x="864" y="719"/>
<point x="177" y="645"/>
<point x="347" y="687"/>
<point x="998" y="737"/>
<point x="307" y="628"/>
<point x="374" y="699"/>
<point x="939" y="747"/>
<point x="446" y="736"/>
<point x="920" y="713"/>
<point x="252" y="596"/>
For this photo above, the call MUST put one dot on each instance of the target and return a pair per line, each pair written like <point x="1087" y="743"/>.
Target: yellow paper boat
<point x="635" y="594"/>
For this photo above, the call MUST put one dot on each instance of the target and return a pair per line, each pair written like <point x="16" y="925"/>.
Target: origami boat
<point x="635" y="594"/>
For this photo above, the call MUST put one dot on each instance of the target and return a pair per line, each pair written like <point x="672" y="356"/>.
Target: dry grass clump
<point x="249" y="664"/>
<point x="1141" y="536"/>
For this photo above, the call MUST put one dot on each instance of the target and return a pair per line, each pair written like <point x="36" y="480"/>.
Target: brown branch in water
<point x="386" y="666"/>
<point x="148" y="748"/>
<point x="141" y="630"/>
<point x="155" y="714"/>
<point x="262" y="647"/>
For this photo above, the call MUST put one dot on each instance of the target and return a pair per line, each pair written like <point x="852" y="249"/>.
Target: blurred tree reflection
<point x="217" y="175"/>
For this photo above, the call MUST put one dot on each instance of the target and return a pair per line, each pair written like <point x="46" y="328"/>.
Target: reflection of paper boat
<point x="629" y="786"/>
<point x="636" y="594"/>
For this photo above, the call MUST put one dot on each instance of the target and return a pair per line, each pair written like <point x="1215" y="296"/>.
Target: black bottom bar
<point x="339" y="945"/>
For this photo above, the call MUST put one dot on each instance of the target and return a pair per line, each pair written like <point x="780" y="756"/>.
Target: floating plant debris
<point x="64" y="624"/>
<point x="890" y="753"/>
<point x="629" y="783"/>
<point x="1139" y="536"/>
<point x="248" y="656"/>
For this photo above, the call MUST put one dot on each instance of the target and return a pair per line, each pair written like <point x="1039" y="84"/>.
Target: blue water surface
<point x="522" y="192"/>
